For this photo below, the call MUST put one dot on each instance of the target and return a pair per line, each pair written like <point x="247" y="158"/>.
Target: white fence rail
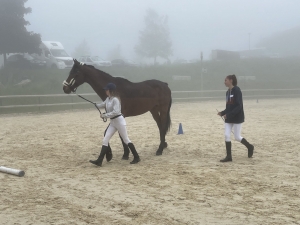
<point x="14" y="103"/>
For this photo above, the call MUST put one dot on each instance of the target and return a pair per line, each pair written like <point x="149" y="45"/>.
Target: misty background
<point x="257" y="40"/>
<point x="194" y="26"/>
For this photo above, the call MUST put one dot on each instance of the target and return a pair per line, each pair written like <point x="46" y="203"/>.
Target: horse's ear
<point x="75" y="61"/>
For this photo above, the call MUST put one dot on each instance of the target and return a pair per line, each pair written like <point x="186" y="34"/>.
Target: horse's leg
<point x="165" y="123"/>
<point x="126" y="149"/>
<point x="157" y="118"/>
<point x="109" y="154"/>
<point x="162" y="133"/>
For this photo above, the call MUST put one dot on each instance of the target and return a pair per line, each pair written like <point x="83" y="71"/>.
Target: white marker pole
<point x="16" y="172"/>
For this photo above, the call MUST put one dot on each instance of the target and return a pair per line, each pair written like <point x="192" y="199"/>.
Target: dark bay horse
<point x="136" y="98"/>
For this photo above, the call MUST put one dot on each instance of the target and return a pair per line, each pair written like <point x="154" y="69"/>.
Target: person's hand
<point x="102" y="115"/>
<point x="225" y="116"/>
<point x="219" y="114"/>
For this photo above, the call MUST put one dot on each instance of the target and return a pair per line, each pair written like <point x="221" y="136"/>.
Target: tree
<point x="115" y="53"/>
<point x="154" y="40"/>
<point x="14" y="37"/>
<point x="82" y="49"/>
<point x="286" y="43"/>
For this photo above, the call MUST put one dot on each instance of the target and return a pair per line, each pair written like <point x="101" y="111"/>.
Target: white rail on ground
<point x="250" y="93"/>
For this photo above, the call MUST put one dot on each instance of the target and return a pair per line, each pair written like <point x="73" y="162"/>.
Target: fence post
<point x="39" y="104"/>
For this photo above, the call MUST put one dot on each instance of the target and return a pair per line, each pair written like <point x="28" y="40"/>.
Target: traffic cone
<point x="180" y="131"/>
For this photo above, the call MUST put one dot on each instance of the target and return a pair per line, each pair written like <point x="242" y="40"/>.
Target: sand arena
<point x="186" y="185"/>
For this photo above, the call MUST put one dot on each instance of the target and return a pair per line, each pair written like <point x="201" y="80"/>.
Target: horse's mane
<point x="92" y="67"/>
<point x="96" y="69"/>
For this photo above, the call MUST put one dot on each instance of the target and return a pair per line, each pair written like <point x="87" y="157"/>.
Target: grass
<point x="269" y="73"/>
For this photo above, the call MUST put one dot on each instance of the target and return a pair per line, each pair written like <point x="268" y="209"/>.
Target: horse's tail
<point x="169" y="117"/>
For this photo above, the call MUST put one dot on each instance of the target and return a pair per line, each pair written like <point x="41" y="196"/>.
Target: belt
<point x="116" y="116"/>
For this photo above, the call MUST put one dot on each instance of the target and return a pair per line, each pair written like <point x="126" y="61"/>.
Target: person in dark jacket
<point x="234" y="117"/>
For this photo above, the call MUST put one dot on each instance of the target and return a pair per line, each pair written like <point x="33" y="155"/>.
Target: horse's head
<point x="75" y="78"/>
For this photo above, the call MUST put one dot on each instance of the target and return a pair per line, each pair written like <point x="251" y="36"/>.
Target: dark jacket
<point x="234" y="106"/>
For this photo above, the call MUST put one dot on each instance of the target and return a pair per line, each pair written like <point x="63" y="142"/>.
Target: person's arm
<point x="237" y="106"/>
<point x="101" y="105"/>
<point x="222" y="113"/>
<point x="116" y="109"/>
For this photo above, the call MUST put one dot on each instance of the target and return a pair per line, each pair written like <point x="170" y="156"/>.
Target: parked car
<point x="131" y="63"/>
<point x="121" y="62"/>
<point x="94" y="61"/>
<point x="86" y="60"/>
<point x="118" y="62"/>
<point x="25" y="61"/>
<point x="100" y="61"/>
<point x="182" y="61"/>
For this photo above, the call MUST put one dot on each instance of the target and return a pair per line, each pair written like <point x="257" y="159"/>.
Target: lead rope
<point x="104" y="119"/>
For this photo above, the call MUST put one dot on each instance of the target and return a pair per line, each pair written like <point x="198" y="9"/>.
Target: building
<point x="254" y="53"/>
<point x="224" y="55"/>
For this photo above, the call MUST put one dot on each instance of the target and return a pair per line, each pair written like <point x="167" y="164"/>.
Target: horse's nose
<point x="66" y="89"/>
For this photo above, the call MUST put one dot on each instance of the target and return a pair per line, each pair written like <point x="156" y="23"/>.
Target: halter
<point x="72" y="81"/>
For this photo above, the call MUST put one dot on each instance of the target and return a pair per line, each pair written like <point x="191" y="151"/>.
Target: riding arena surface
<point x="186" y="185"/>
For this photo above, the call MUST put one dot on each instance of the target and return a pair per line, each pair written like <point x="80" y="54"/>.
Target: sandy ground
<point x="186" y="185"/>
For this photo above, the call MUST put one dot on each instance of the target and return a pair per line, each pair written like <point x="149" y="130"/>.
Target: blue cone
<point x="180" y="131"/>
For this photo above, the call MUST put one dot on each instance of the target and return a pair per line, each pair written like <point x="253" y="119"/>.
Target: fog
<point x="195" y="25"/>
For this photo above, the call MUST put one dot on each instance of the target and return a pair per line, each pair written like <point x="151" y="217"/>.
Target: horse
<point x="152" y="96"/>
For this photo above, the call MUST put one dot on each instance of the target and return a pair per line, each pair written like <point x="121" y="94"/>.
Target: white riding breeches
<point x="237" y="128"/>
<point x="117" y="124"/>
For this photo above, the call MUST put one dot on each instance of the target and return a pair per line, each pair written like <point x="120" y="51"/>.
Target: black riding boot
<point x="126" y="150"/>
<point x="136" y="158"/>
<point x="249" y="147"/>
<point x="109" y="154"/>
<point x="228" y="157"/>
<point x="98" y="162"/>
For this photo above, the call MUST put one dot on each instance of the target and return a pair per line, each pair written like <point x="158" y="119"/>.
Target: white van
<point x="54" y="54"/>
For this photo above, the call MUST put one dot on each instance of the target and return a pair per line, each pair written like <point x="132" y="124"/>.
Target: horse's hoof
<point x="165" y="145"/>
<point x="125" y="157"/>
<point x="95" y="162"/>
<point x="158" y="152"/>
<point x="135" y="161"/>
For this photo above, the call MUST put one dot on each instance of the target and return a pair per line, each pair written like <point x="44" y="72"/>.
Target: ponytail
<point x="115" y="94"/>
